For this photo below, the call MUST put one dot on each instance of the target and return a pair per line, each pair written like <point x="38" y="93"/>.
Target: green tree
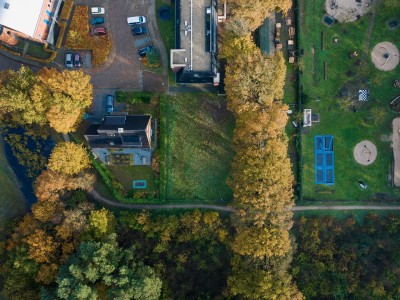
<point x="105" y="264"/>
<point x="102" y="222"/>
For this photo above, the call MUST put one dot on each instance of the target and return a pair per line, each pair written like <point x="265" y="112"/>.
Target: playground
<point x="348" y="74"/>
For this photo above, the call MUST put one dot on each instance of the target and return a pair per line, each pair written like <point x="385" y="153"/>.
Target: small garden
<point x="78" y="37"/>
<point x="334" y="68"/>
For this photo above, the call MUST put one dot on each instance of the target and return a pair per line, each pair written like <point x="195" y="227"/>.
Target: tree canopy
<point x="51" y="97"/>
<point x="103" y="266"/>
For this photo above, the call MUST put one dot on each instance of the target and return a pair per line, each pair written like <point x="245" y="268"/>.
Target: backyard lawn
<point x="350" y="121"/>
<point x="125" y="174"/>
<point x="199" y="148"/>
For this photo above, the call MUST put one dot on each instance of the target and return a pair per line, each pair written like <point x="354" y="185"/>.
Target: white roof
<point x="21" y="15"/>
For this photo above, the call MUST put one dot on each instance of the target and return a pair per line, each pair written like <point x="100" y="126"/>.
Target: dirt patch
<point x="154" y="82"/>
<point x="365" y="153"/>
<point x="385" y="56"/>
<point x="345" y="11"/>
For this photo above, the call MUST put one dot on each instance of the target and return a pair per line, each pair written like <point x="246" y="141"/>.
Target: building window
<point x="46" y="21"/>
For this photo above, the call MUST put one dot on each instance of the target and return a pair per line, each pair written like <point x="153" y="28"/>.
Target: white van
<point x="136" y="20"/>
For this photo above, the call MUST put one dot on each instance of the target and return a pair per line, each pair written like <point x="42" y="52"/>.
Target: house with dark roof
<point x="122" y="139"/>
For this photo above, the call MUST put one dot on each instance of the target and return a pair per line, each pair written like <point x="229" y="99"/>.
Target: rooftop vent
<point x="120" y="130"/>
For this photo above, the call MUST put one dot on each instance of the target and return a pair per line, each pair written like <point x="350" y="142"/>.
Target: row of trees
<point x="49" y="97"/>
<point x="261" y="171"/>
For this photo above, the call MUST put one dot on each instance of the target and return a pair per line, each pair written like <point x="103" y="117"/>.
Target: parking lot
<point x="123" y="69"/>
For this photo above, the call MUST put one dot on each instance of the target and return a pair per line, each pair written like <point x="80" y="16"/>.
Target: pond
<point x="26" y="182"/>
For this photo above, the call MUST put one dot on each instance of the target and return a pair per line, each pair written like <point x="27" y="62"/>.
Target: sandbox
<point x="365" y="153"/>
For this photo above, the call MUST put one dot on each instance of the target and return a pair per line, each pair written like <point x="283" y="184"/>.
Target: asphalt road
<point x="7" y="63"/>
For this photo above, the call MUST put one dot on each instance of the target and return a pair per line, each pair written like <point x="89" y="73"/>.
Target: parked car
<point x="98" y="31"/>
<point x="362" y="185"/>
<point x="97" y="10"/>
<point x="97" y="20"/>
<point x="142" y="52"/>
<point x="138" y="30"/>
<point x="110" y="104"/>
<point x="137" y="20"/>
<point x="77" y="60"/>
<point x="68" y="60"/>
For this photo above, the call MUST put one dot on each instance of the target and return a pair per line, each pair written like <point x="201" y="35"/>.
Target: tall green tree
<point x="100" y="267"/>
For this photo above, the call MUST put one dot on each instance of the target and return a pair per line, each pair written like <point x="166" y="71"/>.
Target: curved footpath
<point x="96" y="196"/>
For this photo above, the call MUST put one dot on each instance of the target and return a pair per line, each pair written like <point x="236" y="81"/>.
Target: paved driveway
<point x="122" y="70"/>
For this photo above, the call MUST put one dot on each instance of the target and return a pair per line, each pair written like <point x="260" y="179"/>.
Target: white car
<point x="137" y="20"/>
<point x="97" y="10"/>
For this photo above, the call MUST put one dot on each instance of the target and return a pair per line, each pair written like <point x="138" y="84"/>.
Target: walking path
<point x="96" y="196"/>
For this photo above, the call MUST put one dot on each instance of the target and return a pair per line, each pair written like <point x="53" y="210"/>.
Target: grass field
<point x="199" y="150"/>
<point x="12" y="201"/>
<point x="349" y="125"/>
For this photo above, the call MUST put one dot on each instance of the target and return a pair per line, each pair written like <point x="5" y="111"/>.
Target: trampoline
<point x="164" y="13"/>
<point x="139" y="184"/>
<point x="324" y="160"/>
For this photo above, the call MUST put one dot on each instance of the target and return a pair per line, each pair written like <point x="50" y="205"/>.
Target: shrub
<point x="152" y="59"/>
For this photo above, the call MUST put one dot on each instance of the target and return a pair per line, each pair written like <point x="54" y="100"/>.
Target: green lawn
<point x="199" y="148"/>
<point x="126" y="174"/>
<point x="12" y="201"/>
<point x="372" y="119"/>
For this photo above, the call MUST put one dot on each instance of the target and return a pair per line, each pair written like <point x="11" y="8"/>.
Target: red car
<point x="98" y="31"/>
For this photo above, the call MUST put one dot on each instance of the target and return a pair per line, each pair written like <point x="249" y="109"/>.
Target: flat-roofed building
<point x="33" y="19"/>
<point x="195" y="58"/>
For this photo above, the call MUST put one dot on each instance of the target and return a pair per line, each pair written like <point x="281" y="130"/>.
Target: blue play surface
<point x="139" y="184"/>
<point x="324" y="160"/>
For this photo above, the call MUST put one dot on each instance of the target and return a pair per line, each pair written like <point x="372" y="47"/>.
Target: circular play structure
<point x="365" y="153"/>
<point x="164" y="13"/>
<point x="385" y="56"/>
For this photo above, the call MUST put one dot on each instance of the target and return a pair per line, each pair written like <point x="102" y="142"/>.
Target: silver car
<point x="68" y="60"/>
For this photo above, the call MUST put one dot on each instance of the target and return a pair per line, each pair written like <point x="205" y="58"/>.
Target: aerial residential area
<point x="199" y="149"/>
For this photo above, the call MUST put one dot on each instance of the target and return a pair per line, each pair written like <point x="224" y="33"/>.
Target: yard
<point x="198" y="149"/>
<point x="78" y="37"/>
<point x="328" y="70"/>
<point x="125" y="174"/>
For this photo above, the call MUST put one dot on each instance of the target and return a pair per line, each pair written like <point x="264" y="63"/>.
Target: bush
<point x="152" y="59"/>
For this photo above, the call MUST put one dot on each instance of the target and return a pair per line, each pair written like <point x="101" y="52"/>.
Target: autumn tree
<point x="51" y="97"/>
<point x="252" y="14"/>
<point x="22" y="99"/>
<point x="69" y="159"/>
<point x="261" y="177"/>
